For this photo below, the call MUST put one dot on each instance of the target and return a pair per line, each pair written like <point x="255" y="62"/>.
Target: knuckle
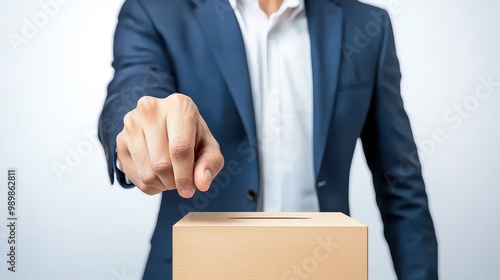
<point x="146" y="103"/>
<point x="179" y="98"/>
<point x="143" y="187"/>
<point x="148" y="178"/>
<point x="161" y="167"/>
<point x="183" y="102"/>
<point x="129" y="120"/>
<point x="180" y="151"/>
<point x="120" y="140"/>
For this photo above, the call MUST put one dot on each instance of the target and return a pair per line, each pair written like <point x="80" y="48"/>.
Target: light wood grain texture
<point x="269" y="246"/>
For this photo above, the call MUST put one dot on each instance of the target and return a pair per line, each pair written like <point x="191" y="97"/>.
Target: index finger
<point x="181" y="130"/>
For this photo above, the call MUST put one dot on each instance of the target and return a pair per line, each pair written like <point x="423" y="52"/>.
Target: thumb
<point x="209" y="163"/>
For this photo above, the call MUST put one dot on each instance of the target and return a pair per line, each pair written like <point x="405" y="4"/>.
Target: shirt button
<point x="251" y="195"/>
<point x="321" y="184"/>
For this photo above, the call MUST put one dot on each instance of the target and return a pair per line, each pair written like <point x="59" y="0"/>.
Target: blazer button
<point x="251" y="195"/>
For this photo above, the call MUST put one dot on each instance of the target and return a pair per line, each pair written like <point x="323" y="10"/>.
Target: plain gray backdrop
<point x="55" y="66"/>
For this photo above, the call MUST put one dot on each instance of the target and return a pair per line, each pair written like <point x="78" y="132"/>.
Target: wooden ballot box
<point x="269" y="246"/>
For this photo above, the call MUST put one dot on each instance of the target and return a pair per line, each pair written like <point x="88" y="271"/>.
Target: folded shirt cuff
<point x="122" y="179"/>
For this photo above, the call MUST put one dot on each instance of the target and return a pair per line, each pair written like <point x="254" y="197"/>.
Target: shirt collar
<point x="233" y="4"/>
<point x="298" y="5"/>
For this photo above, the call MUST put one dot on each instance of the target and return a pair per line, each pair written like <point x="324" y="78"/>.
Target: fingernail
<point x="186" y="193"/>
<point x="208" y="175"/>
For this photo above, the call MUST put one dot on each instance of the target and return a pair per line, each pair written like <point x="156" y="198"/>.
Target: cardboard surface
<point x="277" y="246"/>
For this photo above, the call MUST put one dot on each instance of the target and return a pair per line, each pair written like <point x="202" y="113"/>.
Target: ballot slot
<point x="268" y="218"/>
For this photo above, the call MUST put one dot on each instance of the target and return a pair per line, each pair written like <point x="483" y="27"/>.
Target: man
<point x="279" y="90"/>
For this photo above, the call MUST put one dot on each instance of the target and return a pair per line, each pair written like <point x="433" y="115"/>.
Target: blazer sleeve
<point x="142" y="68"/>
<point x="392" y="157"/>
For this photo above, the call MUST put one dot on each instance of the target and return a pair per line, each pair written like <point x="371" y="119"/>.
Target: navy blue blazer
<point x="195" y="47"/>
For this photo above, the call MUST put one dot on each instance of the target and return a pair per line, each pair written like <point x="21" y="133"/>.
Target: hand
<point x="165" y="144"/>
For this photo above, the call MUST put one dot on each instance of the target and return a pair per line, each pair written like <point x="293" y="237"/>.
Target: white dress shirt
<point x="278" y="51"/>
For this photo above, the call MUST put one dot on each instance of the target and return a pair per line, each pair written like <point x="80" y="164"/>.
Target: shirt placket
<point x="272" y="110"/>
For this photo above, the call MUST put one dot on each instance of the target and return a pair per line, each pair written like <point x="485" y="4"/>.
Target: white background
<point x="77" y="226"/>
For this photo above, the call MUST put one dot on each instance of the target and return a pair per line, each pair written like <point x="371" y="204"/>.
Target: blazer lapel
<point x="325" y="30"/>
<point x="220" y="26"/>
<point x="222" y="32"/>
